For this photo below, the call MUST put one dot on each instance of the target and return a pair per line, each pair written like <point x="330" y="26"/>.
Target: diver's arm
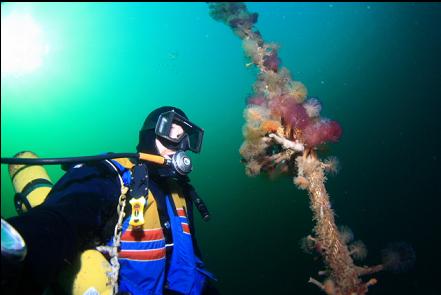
<point x="76" y="210"/>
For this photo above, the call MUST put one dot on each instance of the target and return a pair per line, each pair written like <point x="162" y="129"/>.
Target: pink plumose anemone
<point x="256" y="114"/>
<point x="321" y="132"/>
<point x="277" y="105"/>
<point x="398" y="257"/>
<point x="301" y="182"/>
<point x="307" y="244"/>
<point x="295" y="116"/>
<point x="257" y="100"/>
<point x="332" y="165"/>
<point x="313" y="107"/>
<point x="358" y="250"/>
<point x="297" y="91"/>
<point x="346" y="234"/>
<point x="253" y="168"/>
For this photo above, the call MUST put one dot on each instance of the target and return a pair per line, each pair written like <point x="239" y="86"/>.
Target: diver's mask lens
<point x="192" y="134"/>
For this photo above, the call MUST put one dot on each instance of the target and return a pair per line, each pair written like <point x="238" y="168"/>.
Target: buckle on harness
<point x="137" y="217"/>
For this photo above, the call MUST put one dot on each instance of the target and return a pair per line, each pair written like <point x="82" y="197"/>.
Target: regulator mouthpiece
<point x="181" y="163"/>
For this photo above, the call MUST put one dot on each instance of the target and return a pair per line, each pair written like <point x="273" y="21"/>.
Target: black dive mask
<point x="183" y="145"/>
<point x="189" y="139"/>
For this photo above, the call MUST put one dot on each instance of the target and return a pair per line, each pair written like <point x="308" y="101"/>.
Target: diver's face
<point x="175" y="131"/>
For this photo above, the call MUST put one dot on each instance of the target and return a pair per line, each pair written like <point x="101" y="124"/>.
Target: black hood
<point x="147" y="144"/>
<point x="147" y="136"/>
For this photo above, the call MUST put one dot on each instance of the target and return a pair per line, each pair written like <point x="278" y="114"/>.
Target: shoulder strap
<point x="124" y="172"/>
<point x="125" y="162"/>
<point x="177" y="195"/>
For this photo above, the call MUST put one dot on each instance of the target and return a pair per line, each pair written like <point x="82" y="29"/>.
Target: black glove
<point x="13" y="254"/>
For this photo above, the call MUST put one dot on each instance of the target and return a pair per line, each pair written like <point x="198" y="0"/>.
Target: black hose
<point x="57" y="161"/>
<point x="202" y="208"/>
<point x="199" y="203"/>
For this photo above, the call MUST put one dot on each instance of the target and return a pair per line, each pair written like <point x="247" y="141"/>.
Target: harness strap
<point x="162" y="212"/>
<point x="21" y="198"/>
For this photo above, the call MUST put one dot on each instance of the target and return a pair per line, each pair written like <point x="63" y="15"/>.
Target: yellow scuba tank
<point x="31" y="183"/>
<point x="88" y="274"/>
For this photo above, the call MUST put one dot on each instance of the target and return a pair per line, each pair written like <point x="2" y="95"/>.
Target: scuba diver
<point x="138" y="214"/>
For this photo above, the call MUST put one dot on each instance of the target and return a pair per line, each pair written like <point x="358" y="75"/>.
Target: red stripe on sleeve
<point x="142" y="235"/>
<point x="181" y="212"/>
<point x="154" y="254"/>
<point x="186" y="228"/>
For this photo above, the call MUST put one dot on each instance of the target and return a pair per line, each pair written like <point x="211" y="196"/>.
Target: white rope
<point x="112" y="251"/>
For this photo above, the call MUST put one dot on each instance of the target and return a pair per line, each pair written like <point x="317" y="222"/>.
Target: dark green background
<point x="376" y="68"/>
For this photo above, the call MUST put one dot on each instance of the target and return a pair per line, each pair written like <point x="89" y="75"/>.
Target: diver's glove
<point x="13" y="253"/>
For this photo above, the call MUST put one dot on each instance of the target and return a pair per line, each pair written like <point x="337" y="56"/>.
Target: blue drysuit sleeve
<point x="72" y="217"/>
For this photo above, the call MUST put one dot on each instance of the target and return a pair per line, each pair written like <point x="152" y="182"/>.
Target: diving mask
<point x="189" y="139"/>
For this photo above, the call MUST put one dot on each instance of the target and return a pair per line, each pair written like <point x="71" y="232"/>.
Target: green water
<point x="375" y="67"/>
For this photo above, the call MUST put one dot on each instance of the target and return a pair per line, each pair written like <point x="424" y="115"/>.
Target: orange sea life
<point x="270" y="125"/>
